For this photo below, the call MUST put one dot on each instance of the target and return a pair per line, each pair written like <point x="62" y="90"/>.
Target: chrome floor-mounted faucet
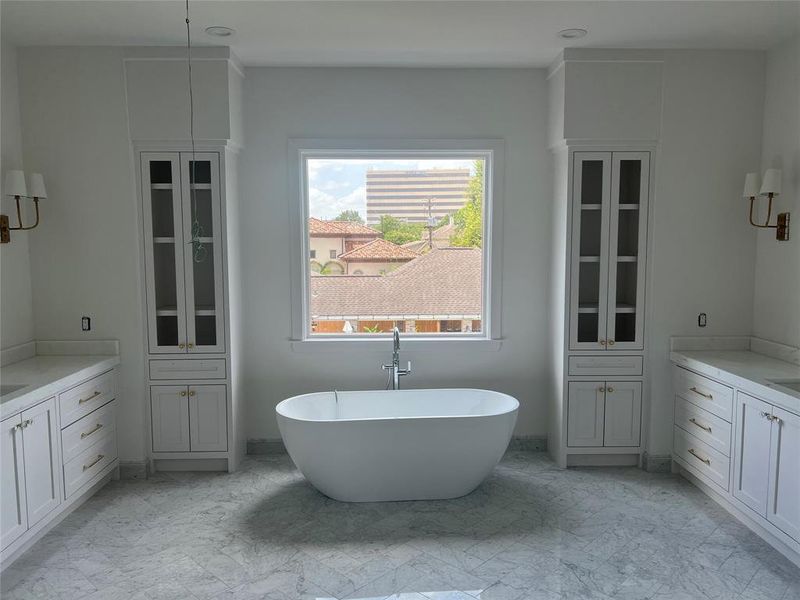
<point x="395" y="371"/>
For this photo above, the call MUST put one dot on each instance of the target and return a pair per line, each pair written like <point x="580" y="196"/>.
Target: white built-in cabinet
<point x="184" y="251"/>
<point x="604" y="413"/>
<point x="602" y="219"/>
<point x="608" y="253"/>
<point x="31" y="469"/>
<point x="766" y="463"/>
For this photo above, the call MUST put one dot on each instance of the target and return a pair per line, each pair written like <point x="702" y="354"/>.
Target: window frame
<point x="300" y="151"/>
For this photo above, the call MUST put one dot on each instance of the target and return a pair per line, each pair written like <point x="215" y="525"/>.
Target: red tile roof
<point x="379" y="250"/>
<point x="320" y="228"/>
<point x="445" y="283"/>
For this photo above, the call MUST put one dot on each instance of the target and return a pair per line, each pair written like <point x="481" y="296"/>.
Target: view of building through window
<point x="395" y="242"/>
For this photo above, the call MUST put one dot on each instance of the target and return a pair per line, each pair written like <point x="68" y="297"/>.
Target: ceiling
<point x="487" y="33"/>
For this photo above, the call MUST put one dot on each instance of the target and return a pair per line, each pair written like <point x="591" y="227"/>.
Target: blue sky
<point x="335" y="185"/>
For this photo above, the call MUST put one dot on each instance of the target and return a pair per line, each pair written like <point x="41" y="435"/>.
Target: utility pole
<point x="431" y="224"/>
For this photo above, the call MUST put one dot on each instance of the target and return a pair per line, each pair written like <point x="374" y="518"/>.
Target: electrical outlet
<point x="702" y="320"/>
<point x="86" y="324"/>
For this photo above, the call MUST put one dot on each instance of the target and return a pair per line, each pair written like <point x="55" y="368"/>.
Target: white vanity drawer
<point x="188" y="368"/>
<point x="89" y="463"/>
<point x="86" y="397"/>
<point x="707" y="463"/>
<point x="704" y="425"/>
<point x="704" y="392"/>
<point x="88" y="430"/>
<point x="605" y="365"/>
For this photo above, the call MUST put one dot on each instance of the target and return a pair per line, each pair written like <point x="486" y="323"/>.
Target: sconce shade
<point x="37" y="186"/>
<point x="751" y="185"/>
<point x="15" y="184"/>
<point x="772" y="182"/>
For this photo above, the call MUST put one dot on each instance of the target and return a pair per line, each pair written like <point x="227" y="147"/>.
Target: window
<point x="415" y="225"/>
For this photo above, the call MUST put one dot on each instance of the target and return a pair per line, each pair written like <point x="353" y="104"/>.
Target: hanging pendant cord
<point x="199" y="251"/>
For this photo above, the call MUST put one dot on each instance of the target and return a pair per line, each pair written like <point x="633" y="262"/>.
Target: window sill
<point x="406" y="345"/>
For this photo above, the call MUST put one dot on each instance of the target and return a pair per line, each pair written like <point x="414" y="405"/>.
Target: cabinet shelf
<point x="161" y="186"/>
<point x="625" y="308"/>
<point x="628" y="206"/>
<point x="172" y="311"/>
<point x="627" y="259"/>
<point x="163" y="240"/>
<point x="590" y="259"/>
<point x="594" y="309"/>
<point x="200" y="186"/>
<point x="591" y="206"/>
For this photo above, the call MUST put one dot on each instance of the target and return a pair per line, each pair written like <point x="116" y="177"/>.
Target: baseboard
<point x="528" y="443"/>
<point x="656" y="463"/>
<point x="134" y="469"/>
<point x="190" y="464"/>
<point x="602" y="460"/>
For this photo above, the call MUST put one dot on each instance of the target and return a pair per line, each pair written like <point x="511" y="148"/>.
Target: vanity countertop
<point x="45" y="376"/>
<point x="748" y="371"/>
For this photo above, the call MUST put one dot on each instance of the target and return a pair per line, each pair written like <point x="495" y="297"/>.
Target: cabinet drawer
<point x="704" y="425"/>
<point x="605" y="365"/>
<point x="709" y="464"/>
<point x="708" y="394"/>
<point x="86" y="397"/>
<point x="188" y="369"/>
<point x="88" y="464"/>
<point x="88" y="430"/>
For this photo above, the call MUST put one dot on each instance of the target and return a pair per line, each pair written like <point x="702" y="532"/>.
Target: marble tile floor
<point x="529" y="532"/>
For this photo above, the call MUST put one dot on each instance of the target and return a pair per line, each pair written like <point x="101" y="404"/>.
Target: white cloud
<point x="327" y="206"/>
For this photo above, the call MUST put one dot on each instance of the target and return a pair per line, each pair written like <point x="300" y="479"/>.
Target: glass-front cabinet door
<point x="203" y="252"/>
<point x="630" y="173"/>
<point x="589" y="252"/>
<point x="183" y="252"/>
<point x="164" y="249"/>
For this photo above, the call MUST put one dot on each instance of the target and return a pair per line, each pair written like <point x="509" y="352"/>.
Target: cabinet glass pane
<point x="587" y="327"/>
<point x="630" y="174"/>
<point x="628" y="233"/>
<point x="200" y="171"/>
<point x="591" y="232"/>
<point x="625" y="318"/>
<point x="160" y="172"/>
<point x="625" y="327"/>
<point x="592" y="182"/>
<point x="205" y="317"/>
<point x="162" y="213"/>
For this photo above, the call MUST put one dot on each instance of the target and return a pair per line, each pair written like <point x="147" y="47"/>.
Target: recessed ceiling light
<point x="572" y="34"/>
<point x="220" y="31"/>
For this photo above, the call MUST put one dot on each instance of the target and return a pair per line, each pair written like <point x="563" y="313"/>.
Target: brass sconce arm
<point x="20" y="226"/>
<point x="766" y="224"/>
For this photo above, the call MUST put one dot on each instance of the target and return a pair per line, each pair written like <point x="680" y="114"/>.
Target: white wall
<point x="433" y="103"/>
<point x="776" y="310"/>
<point x="703" y="247"/>
<point x="85" y="254"/>
<point x="16" y="326"/>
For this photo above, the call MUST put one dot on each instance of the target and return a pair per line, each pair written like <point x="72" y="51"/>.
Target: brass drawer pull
<point x="86" y="434"/>
<point x="101" y="457"/>
<point x="704" y="427"/>
<point x="698" y="392"/>
<point x="698" y="457"/>
<point x="611" y="342"/>
<point x="92" y="397"/>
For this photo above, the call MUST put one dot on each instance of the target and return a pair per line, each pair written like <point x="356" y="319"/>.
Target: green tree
<point x="468" y="220"/>
<point x="398" y="231"/>
<point x="350" y="215"/>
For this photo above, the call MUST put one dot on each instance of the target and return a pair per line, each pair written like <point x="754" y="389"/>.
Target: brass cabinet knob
<point x="610" y="342"/>
<point x="191" y="392"/>
<point x="611" y="390"/>
<point x="601" y="389"/>
<point x="183" y="392"/>
<point x="182" y="346"/>
<point x="190" y="345"/>
<point x="602" y="342"/>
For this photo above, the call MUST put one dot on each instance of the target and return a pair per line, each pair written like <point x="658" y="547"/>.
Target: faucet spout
<point x="395" y="371"/>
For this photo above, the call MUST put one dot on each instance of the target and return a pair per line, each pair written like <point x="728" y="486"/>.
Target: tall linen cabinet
<point x="190" y="257"/>
<point x="601" y="236"/>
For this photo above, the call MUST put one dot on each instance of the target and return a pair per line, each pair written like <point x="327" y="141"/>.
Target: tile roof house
<point x="330" y="239"/>
<point x="377" y="257"/>
<point x="444" y="284"/>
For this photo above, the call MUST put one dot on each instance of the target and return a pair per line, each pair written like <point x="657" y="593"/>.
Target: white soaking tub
<point x="397" y="445"/>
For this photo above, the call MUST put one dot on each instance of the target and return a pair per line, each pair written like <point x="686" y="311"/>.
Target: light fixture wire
<point x="199" y="251"/>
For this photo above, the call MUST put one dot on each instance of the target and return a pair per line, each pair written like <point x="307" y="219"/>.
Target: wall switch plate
<point x="702" y="320"/>
<point x="86" y="324"/>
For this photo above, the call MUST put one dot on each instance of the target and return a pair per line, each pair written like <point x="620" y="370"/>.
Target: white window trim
<point x="491" y="150"/>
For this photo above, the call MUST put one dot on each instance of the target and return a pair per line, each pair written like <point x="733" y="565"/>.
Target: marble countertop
<point x="45" y="376"/>
<point x="748" y="371"/>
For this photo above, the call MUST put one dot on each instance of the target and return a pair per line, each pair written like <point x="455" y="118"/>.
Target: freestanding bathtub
<point x="397" y="445"/>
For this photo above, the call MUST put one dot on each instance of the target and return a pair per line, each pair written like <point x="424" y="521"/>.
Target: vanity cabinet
<point x="189" y="229"/>
<point x="31" y="477"/>
<point x="767" y="462"/>
<point x="608" y="253"/>
<point x="604" y="413"/>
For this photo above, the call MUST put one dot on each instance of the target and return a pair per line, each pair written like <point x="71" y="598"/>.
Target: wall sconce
<point x="770" y="188"/>
<point x="15" y="186"/>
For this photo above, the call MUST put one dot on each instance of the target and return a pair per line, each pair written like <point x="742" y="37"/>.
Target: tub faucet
<point x="395" y="371"/>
